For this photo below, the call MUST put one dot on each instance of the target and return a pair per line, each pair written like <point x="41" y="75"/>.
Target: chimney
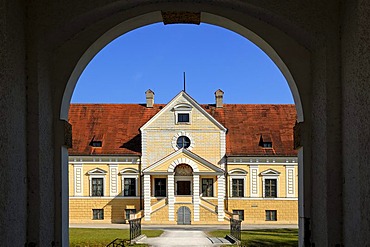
<point x="149" y="98"/>
<point x="219" y="98"/>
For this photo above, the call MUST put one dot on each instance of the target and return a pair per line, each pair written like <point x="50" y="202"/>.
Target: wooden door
<point x="183" y="187"/>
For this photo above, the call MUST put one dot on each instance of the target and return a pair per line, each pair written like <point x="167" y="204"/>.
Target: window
<point x="98" y="214"/>
<point x="207" y="187"/>
<point x="183" y="142"/>
<point x="240" y="214"/>
<point x="237" y="187"/>
<point x="183" y="118"/>
<point x="160" y="187"/>
<point x="265" y="141"/>
<point x="97" y="187"/>
<point x="270" y="188"/>
<point x="129" y="187"/>
<point x="96" y="144"/>
<point x="271" y="215"/>
<point x="130" y="213"/>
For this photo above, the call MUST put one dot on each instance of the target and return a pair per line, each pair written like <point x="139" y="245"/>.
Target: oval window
<point x="183" y="142"/>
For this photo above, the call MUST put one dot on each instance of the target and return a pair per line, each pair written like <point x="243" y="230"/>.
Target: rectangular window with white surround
<point x="129" y="187"/>
<point x="237" y="187"/>
<point x="97" y="188"/>
<point x="270" y="187"/>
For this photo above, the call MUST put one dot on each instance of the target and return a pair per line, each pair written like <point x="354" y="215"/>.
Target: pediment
<point x="237" y="171"/>
<point x="182" y="102"/>
<point x="97" y="171"/>
<point x="270" y="172"/>
<point x="129" y="171"/>
<point x="183" y="156"/>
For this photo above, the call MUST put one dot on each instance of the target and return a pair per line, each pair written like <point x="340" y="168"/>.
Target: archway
<point x="264" y="38"/>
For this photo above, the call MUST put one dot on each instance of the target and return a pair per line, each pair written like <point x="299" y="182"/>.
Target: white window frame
<point x="97" y="173"/>
<point x="237" y="174"/>
<point x="153" y="187"/>
<point x="129" y="173"/>
<point x="183" y="109"/>
<point x="270" y="174"/>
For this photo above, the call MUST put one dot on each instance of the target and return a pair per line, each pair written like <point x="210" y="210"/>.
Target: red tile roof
<point x="117" y="126"/>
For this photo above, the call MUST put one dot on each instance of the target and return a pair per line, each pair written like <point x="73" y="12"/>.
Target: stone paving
<point x="184" y="237"/>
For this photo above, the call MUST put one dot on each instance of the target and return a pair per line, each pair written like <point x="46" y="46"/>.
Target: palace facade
<point x="183" y="162"/>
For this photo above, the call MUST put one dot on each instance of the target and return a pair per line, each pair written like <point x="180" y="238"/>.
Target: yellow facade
<point x="169" y="183"/>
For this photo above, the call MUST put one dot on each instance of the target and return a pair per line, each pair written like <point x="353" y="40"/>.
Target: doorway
<point x="183" y="216"/>
<point x="183" y="188"/>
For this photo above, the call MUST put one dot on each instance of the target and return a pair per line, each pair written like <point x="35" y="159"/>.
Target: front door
<point x="183" y="216"/>
<point x="183" y="187"/>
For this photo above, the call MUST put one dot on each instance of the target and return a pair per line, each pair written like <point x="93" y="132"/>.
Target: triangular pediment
<point x="97" y="171"/>
<point x="270" y="172"/>
<point x="183" y="102"/>
<point x="183" y="156"/>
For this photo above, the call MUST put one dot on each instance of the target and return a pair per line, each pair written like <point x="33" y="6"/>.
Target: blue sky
<point x="155" y="57"/>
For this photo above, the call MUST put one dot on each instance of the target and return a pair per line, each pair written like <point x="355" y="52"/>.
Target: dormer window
<point x="265" y="141"/>
<point x="182" y="113"/>
<point x="96" y="144"/>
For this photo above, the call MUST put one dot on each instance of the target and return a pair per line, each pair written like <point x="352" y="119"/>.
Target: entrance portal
<point x="183" y="187"/>
<point x="183" y="216"/>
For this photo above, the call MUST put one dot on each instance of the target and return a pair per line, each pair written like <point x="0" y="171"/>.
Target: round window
<point x="183" y="142"/>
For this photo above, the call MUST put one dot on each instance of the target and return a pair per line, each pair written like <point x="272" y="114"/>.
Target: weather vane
<point x="184" y="82"/>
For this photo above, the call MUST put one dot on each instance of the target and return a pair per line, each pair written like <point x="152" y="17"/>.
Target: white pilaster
<point x="78" y="180"/>
<point x="221" y="197"/>
<point x="147" y="203"/>
<point x="196" y="197"/>
<point x="253" y="171"/>
<point x="290" y="184"/>
<point x="171" y="197"/>
<point x="144" y="154"/>
<point x="113" y="181"/>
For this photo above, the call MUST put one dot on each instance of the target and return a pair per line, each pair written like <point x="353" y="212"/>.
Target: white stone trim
<point x="78" y="180"/>
<point x="222" y="144"/>
<point x="290" y="181"/>
<point x="172" y="166"/>
<point x="171" y="197"/>
<point x="221" y="197"/>
<point x="144" y="155"/>
<point x="113" y="181"/>
<point x="182" y="133"/>
<point x="147" y="202"/>
<point x="254" y="181"/>
<point x="196" y="198"/>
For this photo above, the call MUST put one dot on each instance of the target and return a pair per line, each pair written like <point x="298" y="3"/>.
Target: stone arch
<point x="210" y="18"/>
<point x="186" y="161"/>
<point x="292" y="58"/>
